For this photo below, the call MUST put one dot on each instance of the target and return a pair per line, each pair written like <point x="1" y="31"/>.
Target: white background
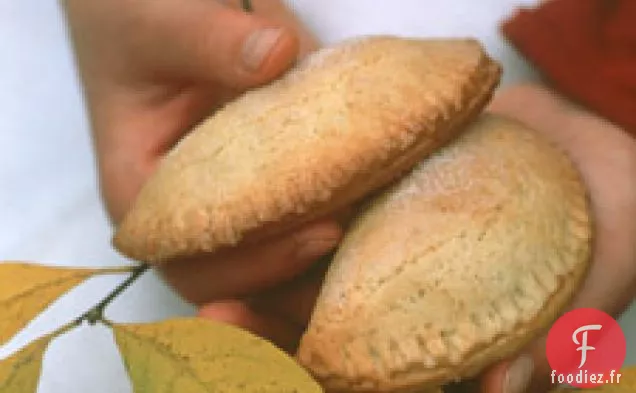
<point x="50" y="210"/>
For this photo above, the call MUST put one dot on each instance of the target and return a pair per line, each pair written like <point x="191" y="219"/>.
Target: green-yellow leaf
<point x="21" y="371"/>
<point x="626" y="383"/>
<point x="192" y="355"/>
<point x="28" y="289"/>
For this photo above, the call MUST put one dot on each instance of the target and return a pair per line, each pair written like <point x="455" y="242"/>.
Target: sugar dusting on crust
<point x="434" y="179"/>
<point x="453" y="265"/>
<point x="321" y="57"/>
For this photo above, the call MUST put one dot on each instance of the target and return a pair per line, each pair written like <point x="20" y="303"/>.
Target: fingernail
<point x="258" y="45"/>
<point x="518" y="375"/>
<point x="315" y="248"/>
<point x="317" y="241"/>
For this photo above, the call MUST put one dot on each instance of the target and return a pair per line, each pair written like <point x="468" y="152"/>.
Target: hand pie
<point x="459" y="264"/>
<point x="347" y="120"/>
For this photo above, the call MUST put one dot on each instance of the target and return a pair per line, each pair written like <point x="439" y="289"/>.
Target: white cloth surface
<point x="50" y="208"/>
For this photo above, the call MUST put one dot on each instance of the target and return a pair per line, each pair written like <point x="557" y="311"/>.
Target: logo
<point x="586" y="348"/>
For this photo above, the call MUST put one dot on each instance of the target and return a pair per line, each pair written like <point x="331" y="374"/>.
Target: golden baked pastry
<point x="347" y="120"/>
<point x="458" y="265"/>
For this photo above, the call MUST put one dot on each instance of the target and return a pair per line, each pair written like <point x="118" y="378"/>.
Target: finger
<point x="277" y="11"/>
<point x="207" y="41"/>
<point x="295" y="300"/>
<point x="508" y="376"/>
<point x="247" y="270"/>
<point x="283" y="334"/>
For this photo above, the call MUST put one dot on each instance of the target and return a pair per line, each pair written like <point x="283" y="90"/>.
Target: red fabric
<point x="586" y="49"/>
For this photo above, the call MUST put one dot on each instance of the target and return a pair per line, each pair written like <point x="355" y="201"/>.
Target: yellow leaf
<point x="27" y="289"/>
<point x="626" y="383"/>
<point x="21" y="371"/>
<point x="193" y="355"/>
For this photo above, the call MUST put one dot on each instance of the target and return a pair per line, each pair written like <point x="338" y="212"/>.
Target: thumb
<point x="213" y="43"/>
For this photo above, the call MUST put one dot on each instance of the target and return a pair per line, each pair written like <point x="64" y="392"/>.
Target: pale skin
<point x="151" y="69"/>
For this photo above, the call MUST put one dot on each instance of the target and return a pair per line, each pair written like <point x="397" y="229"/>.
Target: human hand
<point x="606" y="157"/>
<point x="151" y="70"/>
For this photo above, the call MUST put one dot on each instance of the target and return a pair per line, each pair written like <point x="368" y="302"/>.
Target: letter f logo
<point x="583" y="344"/>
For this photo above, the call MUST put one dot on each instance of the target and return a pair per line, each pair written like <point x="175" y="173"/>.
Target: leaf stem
<point x="117" y="270"/>
<point x="65" y="328"/>
<point x="107" y="322"/>
<point x="247" y="5"/>
<point x="96" y="313"/>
